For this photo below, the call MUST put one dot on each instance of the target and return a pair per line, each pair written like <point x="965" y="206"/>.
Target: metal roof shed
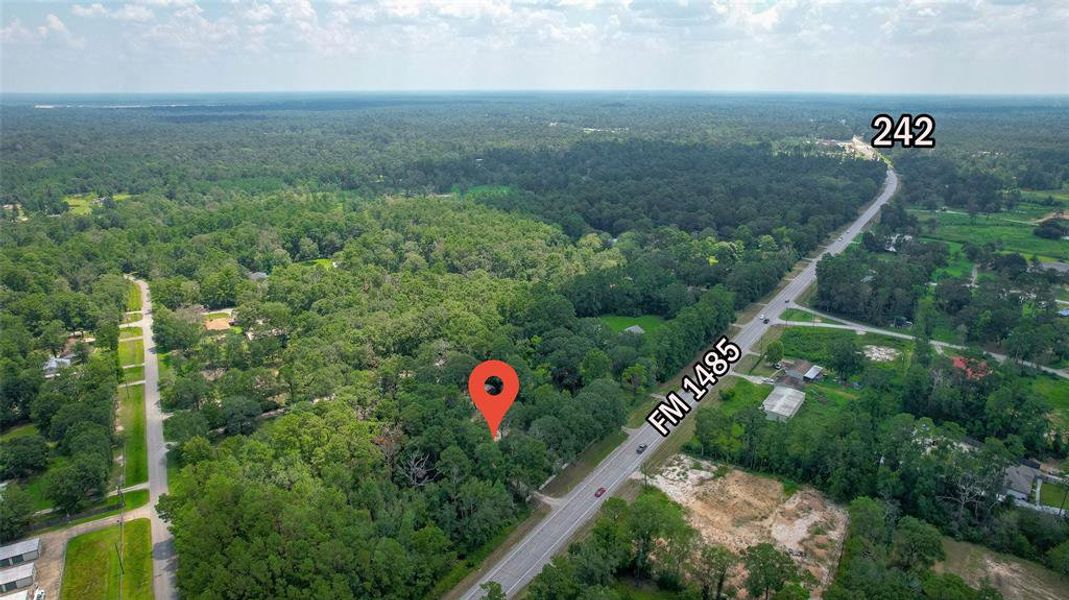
<point x="20" y="552"/>
<point x="782" y="403"/>
<point x="17" y="578"/>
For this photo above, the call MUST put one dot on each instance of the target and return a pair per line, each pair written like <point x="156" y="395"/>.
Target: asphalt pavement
<point x="164" y="562"/>
<point x="556" y="529"/>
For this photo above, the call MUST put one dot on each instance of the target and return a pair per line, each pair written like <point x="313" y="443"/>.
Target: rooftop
<point x="20" y="548"/>
<point x="16" y="573"/>
<point x="783" y="401"/>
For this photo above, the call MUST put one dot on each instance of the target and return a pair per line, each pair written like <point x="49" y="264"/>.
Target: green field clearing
<point x="1015" y="577"/>
<point x="744" y="393"/>
<point x="583" y="464"/>
<point x="803" y="316"/>
<point x="649" y="323"/>
<point x="133" y="374"/>
<point x="129" y="332"/>
<point x="216" y="315"/>
<point x="91" y="567"/>
<point x="132" y="415"/>
<point x="1053" y="494"/>
<point x="812" y="343"/>
<point x="131" y="352"/>
<point x="131" y="317"/>
<point x="1055" y="391"/>
<point x="1039" y="196"/>
<point x="133" y="297"/>
<point x="80" y="203"/>
<point x="18" y="431"/>
<point x="1012" y="230"/>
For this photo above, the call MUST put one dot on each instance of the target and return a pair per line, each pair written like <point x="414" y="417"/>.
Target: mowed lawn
<point x="132" y="414"/>
<point x="1055" y="390"/>
<point x="127" y="333"/>
<point x="131" y="352"/>
<point x="91" y="567"/>
<point x="649" y="323"/>
<point x="1054" y="494"/>
<point x="133" y="374"/>
<point x="133" y="297"/>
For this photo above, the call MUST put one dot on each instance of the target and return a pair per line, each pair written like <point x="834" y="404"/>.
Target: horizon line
<point x="473" y="91"/>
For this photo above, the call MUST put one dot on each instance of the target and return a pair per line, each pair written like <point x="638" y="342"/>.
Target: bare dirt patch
<point x="881" y="353"/>
<point x="1016" y="578"/>
<point x="738" y="510"/>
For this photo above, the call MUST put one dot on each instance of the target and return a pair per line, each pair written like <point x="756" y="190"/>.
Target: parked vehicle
<point x="599" y="493"/>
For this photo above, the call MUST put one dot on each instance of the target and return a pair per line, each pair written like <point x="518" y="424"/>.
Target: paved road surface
<point x="164" y="562"/>
<point x="569" y="513"/>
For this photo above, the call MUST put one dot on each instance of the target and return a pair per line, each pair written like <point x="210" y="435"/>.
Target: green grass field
<point x="132" y="414"/>
<point x="650" y="323"/>
<point x="1053" y="494"/>
<point x="802" y="316"/>
<point x="744" y="393"/>
<point x="133" y="297"/>
<point x="80" y="203"/>
<point x="91" y="567"/>
<point x="812" y="343"/>
<point x="129" y="332"/>
<point x="216" y="315"/>
<point x="130" y="318"/>
<point x="133" y="374"/>
<point x="18" y="431"/>
<point x="1055" y="391"/>
<point x="1012" y="230"/>
<point x="131" y="352"/>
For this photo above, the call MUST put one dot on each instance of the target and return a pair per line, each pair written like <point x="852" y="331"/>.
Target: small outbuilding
<point x="20" y="552"/>
<point x="782" y="403"/>
<point x="20" y="595"/>
<point x="635" y="329"/>
<point x="18" y="578"/>
<point x="55" y="364"/>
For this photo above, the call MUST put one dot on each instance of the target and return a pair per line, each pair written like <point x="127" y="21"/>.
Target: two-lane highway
<point x="538" y="547"/>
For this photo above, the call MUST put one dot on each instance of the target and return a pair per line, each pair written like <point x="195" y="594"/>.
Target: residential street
<point x="164" y="563"/>
<point x="571" y="512"/>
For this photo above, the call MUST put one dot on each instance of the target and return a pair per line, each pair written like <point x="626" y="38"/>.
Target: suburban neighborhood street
<point x="164" y="562"/>
<point x="570" y="513"/>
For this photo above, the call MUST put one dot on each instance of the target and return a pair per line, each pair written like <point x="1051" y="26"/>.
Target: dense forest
<point x="401" y="241"/>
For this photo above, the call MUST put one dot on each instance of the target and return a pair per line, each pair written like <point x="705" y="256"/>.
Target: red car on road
<point x="599" y="493"/>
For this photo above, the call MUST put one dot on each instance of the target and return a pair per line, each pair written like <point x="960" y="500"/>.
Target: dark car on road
<point x="599" y="493"/>
<point x="641" y="448"/>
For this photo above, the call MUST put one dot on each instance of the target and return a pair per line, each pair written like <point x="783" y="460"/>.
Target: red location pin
<point x="493" y="406"/>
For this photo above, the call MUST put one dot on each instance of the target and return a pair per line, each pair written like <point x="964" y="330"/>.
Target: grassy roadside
<point x="131" y="352"/>
<point x="132" y="416"/>
<point x="583" y="464"/>
<point x="134" y="499"/>
<point x="91" y="569"/>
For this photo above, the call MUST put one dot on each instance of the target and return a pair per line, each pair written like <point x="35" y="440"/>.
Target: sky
<point x="841" y="46"/>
